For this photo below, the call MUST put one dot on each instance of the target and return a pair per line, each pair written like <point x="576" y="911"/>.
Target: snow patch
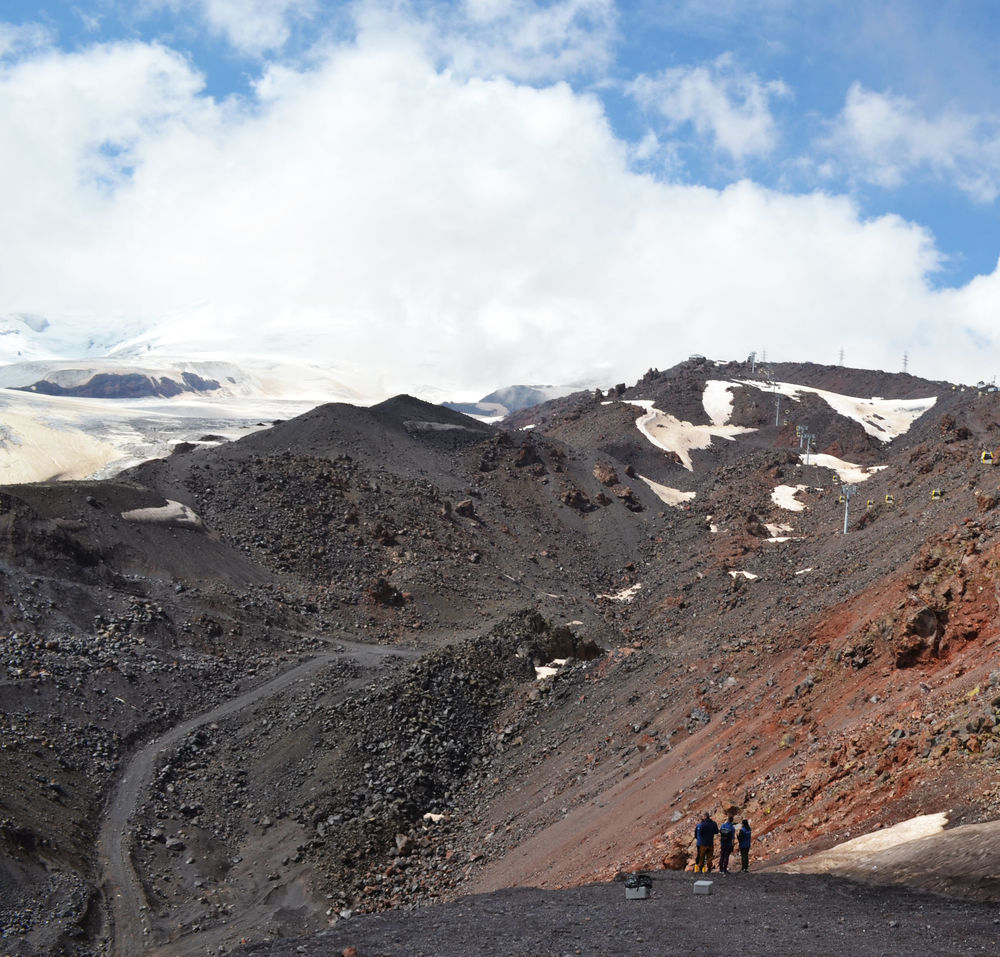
<point x="412" y="425"/>
<point x="749" y="576"/>
<point x="674" y="435"/>
<point x="803" y="571"/>
<point x="35" y="447"/>
<point x="552" y="668"/>
<point x="672" y="496"/>
<point x="884" y="419"/>
<point x="911" y="830"/>
<point x="626" y="594"/>
<point x="173" y="513"/>
<point x="784" y="497"/>
<point x="778" y="532"/>
<point x="848" y="471"/>
<point x="718" y="401"/>
<point x="853" y="852"/>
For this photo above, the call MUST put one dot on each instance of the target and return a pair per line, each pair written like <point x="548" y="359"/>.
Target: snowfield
<point x="883" y="419"/>
<point x="48" y="438"/>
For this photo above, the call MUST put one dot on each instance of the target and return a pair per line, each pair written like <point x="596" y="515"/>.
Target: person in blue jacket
<point x="727" y="838"/>
<point x="743" y="840"/>
<point x="704" y="839"/>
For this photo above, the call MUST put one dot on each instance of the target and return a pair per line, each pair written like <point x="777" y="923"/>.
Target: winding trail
<point x="120" y="886"/>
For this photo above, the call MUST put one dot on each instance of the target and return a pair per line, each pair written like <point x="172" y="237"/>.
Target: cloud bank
<point x="430" y="201"/>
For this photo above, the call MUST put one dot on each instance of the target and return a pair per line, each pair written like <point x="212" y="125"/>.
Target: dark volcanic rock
<point x="110" y="385"/>
<point x="331" y="687"/>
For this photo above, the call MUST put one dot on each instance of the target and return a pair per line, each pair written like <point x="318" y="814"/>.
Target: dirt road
<point x="131" y="930"/>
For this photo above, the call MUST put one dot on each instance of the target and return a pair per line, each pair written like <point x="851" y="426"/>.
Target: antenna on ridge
<point x="841" y="356"/>
<point x="906" y="360"/>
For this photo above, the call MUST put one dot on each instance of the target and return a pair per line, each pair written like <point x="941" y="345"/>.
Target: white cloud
<point x="533" y="40"/>
<point x="253" y="27"/>
<point x="71" y="122"/>
<point x="378" y="210"/>
<point x="17" y="39"/>
<point x="885" y="139"/>
<point x="526" y="39"/>
<point x="729" y="107"/>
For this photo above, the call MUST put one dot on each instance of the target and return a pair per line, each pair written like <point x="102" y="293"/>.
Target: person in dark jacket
<point x="727" y="838"/>
<point x="704" y="839"/>
<point x="743" y="840"/>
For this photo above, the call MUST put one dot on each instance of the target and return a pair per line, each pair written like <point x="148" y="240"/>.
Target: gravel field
<point x="749" y="914"/>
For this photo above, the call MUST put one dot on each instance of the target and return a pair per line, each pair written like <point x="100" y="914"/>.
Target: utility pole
<point x="848" y="491"/>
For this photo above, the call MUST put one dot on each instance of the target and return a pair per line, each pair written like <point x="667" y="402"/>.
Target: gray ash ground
<point x="754" y="914"/>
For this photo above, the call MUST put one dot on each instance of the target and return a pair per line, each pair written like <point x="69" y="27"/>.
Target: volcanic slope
<point x="821" y="683"/>
<point x="755" y="657"/>
<point x="407" y="517"/>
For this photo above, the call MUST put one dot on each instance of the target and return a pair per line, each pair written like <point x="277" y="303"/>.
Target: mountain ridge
<point x="754" y="655"/>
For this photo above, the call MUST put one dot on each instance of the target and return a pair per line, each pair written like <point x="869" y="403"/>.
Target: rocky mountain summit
<point x="372" y="659"/>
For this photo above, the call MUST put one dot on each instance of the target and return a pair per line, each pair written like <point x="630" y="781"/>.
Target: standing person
<point x="727" y="837"/>
<point x="704" y="839"/>
<point x="743" y="839"/>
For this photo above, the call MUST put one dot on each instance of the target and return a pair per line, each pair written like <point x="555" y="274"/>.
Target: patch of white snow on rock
<point x="784" y="497"/>
<point x="552" y="668"/>
<point x="173" y="513"/>
<point x="626" y="594"/>
<point x="854" y="852"/>
<point x="884" y="419"/>
<point x="671" y="496"/>
<point x="674" y="435"/>
<point x="718" y="401"/>
<point x="848" y="471"/>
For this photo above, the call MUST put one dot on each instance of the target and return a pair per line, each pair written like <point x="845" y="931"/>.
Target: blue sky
<point x="474" y="193"/>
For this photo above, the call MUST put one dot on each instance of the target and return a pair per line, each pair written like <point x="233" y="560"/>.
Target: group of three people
<point x="704" y="839"/>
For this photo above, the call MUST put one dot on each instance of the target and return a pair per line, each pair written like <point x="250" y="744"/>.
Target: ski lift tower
<point x="848" y="491"/>
<point x="808" y="443"/>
